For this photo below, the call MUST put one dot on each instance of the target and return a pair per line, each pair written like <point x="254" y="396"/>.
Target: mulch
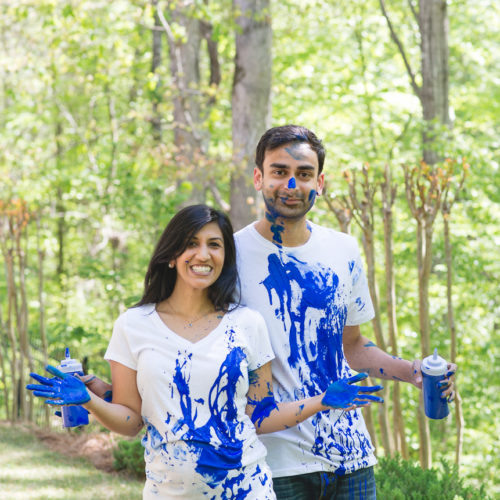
<point x="97" y="447"/>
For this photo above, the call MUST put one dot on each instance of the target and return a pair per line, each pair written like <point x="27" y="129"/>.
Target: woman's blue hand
<point x="341" y="394"/>
<point x="63" y="389"/>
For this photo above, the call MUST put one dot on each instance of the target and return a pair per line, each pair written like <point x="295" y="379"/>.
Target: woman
<point x="195" y="368"/>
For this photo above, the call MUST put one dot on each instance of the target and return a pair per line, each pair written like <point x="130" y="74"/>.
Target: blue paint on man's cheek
<point x="312" y="197"/>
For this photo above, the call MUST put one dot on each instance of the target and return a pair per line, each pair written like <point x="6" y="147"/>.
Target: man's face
<point x="289" y="181"/>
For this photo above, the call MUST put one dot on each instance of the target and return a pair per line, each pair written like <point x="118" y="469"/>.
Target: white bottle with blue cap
<point x="73" y="415"/>
<point x="434" y="369"/>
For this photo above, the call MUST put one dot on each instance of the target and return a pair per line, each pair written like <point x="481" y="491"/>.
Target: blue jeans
<point x="359" y="485"/>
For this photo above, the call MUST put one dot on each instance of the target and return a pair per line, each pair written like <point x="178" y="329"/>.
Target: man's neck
<point x="284" y="232"/>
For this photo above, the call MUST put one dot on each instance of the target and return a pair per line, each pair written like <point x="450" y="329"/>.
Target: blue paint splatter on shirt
<point x="214" y="462"/>
<point x="300" y="287"/>
<point x="296" y="289"/>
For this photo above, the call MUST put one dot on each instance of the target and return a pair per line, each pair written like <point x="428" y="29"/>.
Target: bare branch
<point x="399" y="44"/>
<point x="413" y="10"/>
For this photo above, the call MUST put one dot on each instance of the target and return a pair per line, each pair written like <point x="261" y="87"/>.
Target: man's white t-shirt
<point x="307" y="294"/>
<point x="199" y="442"/>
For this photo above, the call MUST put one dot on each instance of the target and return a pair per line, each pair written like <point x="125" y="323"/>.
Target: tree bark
<point x="362" y="210"/>
<point x="185" y="70"/>
<point x="251" y="104"/>
<point x="424" y="190"/>
<point x="155" y="64"/>
<point x="432" y="20"/>
<point x="388" y="189"/>
<point x="41" y="308"/>
<point x="433" y="26"/>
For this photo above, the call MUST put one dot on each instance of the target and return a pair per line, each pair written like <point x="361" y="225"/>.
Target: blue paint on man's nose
<point x="291" y="183"/>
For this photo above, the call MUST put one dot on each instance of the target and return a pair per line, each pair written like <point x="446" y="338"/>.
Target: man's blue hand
<point x="341" y="394"/>
<point x="63" y="389"/>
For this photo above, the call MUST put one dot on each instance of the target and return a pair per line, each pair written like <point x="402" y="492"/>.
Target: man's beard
<point x="276" y="210"/>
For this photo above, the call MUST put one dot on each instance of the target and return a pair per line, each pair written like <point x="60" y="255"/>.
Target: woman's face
<point x="200" y="265"/>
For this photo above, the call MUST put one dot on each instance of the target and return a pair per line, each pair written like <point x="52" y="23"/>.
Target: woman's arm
<point x="269" y="416"/>
<point x="123" y="414"/>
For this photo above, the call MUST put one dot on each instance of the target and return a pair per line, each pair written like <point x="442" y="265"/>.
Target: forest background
<point x="115" y="114"/>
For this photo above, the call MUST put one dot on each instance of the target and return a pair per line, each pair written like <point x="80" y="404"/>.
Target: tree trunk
<point x="388" y="189"/>
<point x="4" y="341"/>
<point x="155" y="64"/>
<point x="185" y="71"/>
<point x="251" y="104"/>
<point x="459" y="418"/>
<point x="16" y="357"/>
<point x="41" y="308"/>
<point x="433" y="25"/>
<point x="22" y="326"/>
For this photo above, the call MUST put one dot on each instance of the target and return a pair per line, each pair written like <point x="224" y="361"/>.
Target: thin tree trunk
<point x="16" y="356"/>
<point x="363" y="213"/>
<point x="22" y="324"/>
<point x="388" y="189"/>
<point x="424" y="189"/>
<point x="446" y="210"/>
<point x="251" y="104"/>
<point x="41" y="308"/>
<point x="155" y="64"/>
<point x="4" y="339"/>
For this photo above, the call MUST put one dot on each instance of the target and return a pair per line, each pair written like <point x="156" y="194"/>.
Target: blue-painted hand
<point x="63" y="389"/>
<point x="341" y="394"/>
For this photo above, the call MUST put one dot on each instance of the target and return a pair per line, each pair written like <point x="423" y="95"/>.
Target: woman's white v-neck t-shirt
<point x="199" y="440"/>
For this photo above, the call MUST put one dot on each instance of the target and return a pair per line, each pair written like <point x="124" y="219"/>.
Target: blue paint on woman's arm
<point x="263" y="409"/>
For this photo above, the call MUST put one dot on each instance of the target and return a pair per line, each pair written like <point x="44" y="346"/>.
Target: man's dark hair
<point x="160" y="278"/>
<point x="278" y="136"/>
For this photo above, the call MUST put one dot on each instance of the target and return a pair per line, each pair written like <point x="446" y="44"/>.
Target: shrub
<point x="398" y="479"/>
<point x="129" y="457"/>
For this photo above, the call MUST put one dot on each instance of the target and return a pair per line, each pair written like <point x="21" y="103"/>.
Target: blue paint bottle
<point x="73" y="415"/>
<point x="434" y="369"/>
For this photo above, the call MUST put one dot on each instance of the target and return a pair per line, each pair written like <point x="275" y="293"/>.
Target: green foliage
<point x="129" y="457"/>
<point x="76" y="144"/>
<point x="399" y="479"/>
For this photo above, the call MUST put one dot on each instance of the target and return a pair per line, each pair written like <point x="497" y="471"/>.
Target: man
<point x="308" y="283"/>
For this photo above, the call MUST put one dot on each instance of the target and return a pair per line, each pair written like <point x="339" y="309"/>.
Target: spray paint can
<point x="73" y="415"/>
<point x="434" y="369"/>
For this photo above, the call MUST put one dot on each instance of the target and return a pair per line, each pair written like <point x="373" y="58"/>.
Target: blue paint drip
<point x="291" y="183"/>
<point x="276" y="229"/>
<point x="214" y="463"/>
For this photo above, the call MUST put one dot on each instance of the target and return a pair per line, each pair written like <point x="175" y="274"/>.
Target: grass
<point x="29" y="471"/>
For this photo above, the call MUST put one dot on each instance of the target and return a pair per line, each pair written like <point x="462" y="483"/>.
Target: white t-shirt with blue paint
<point x="199" y="442"/>
<point x="307" y="294"/>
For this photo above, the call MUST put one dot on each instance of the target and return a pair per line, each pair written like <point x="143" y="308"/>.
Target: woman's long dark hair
<point x="160" y="279"/>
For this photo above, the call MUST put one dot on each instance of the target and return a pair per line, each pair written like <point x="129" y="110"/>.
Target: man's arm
<point x="364" y="356"/>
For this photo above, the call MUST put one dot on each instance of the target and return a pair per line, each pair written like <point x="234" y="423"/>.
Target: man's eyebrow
<point x="285" y="166"/>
